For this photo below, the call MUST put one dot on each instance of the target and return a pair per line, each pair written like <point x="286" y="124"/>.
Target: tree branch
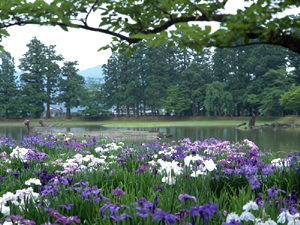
<point x="87" y="15"/>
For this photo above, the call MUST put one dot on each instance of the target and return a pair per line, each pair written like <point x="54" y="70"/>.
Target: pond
<point x="268" y="139"/>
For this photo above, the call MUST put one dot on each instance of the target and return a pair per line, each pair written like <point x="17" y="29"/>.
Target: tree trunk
<point x="157" y="112"/>
<point x="219" y="109"/>
<point x="128" y="113"/>
<point x="242" y="110"/>
<point x="152" y="113"/>
<point x="269" y="113"/>
<point x="144" y="107"/>
<point x="6" y="114"/>
<point x="68" y="114"/>
<point x="48" y="98"/>
<point x="256" y="111"/>
<point x="133" y="110"/>
<point x="137" y="110"/>
<point x="194" y="107"/>
<point x="118" y="111"/>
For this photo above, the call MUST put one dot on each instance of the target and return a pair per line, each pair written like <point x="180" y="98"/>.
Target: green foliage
<point x="217" y="99"/>
<point x="8" y="87"/>
<point x="93" y="98"/>
<point x="130" y="22"/>
<point x="32" y="79"/>
<point x="71" y="87"/>
<point x="175" y="102"/>
<point x="276" y="82"/>
<point x="291" y="98"/>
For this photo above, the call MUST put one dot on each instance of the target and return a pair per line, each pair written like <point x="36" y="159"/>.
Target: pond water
<point x="268" y="139"/>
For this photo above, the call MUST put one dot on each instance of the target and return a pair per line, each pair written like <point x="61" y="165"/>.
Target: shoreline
<point x="153" y="122"/>
<point x="117" y="134"/>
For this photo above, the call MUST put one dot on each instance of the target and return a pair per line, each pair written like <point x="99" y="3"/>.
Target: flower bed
<point x="61" y="180"/>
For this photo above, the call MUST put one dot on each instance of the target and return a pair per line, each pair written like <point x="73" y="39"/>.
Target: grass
<point x="149" y="121"/>
<point x="129" y="167"/>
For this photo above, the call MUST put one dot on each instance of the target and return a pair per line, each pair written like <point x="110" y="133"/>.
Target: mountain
<point x="94" y="72"/>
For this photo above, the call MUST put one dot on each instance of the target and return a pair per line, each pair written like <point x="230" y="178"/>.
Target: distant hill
<point x="94" y="72"/>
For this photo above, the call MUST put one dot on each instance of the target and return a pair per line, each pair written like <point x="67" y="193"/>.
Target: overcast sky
<point x="77" y="44"/>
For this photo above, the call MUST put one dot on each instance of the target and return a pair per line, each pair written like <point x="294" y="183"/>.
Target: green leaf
<point x="63" y="27"/>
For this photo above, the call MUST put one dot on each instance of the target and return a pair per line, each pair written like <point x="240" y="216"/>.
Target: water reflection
<point x="265" y="138"/>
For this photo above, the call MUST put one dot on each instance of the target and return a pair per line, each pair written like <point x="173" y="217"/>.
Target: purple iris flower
<point x="70" y="180"/>
<point x="68" y="220"/>
<point x="273" y="191"/>
<point x="186" y="197"/>
<point x="232" y="222"/>
<point x="121" y="217"/>
<point x="27" y="222"/>
<point x="66" y="205"/>
<point x="180" y="216"/>
<point x="141" y="169"/>
<point x="98" y="197"/>
<point x="254" y="183"/>
<point x="155" y="202"/>
<point x="14" y="218"/>
<point x="157" y="187"/>
<point x="164" y="216"/>
<point x="82" y="182"/>
<point x="2" y="178"/>
<point x="26" y="166"/>
<point x="206" y="211"/>
<point x="118" y="192"/>
<point x="60" y="179"/>
<point x="15" y="174"/>
<point x="154" y="171"/>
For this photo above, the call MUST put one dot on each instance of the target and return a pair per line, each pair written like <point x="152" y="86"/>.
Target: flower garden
<point x="61" y="180"/>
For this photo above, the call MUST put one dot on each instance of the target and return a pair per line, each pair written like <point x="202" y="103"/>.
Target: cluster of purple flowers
<point x="241" y="161"/>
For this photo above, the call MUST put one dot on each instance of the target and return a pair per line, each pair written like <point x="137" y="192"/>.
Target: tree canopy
<point x="130" y="21"/>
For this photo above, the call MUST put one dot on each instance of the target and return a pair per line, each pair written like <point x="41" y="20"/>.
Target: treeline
<point x="42" y="82"/>
<point x="244" y="81"/>
<point x="240" y="81"/>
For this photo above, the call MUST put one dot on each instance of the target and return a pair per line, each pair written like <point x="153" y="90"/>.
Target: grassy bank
<point x="154" y="121"/>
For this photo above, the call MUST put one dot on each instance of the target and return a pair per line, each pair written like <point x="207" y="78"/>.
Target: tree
<point x="291" y="99"/>
<point x="52" y="75"/>
<point x="175" y="101"/>
<point x="277" y="82"/>
<point x="40" y="77"/>
<point x="71" y="87"/>
<point x="32" y="79"/>
<point x="93" y="98"/>
<point x="130" y="21"/>
<point x="112" y="87"/>
<point x="157" y="78"/>
<point x="8" y="86"/>
<point x="217" y="99"/>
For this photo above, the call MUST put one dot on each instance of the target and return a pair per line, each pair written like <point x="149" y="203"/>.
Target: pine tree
<point x="8" y="86"/>
<point x="112" y="87"/>
<point x="157" y="70"/>
<point x="33" y="66"/>
<point x="218" y="100"/>
<point x="71" y="87"/>
<point x="52" y="75"/>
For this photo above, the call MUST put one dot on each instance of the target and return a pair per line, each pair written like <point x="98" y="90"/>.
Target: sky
<point x="78" y="44"/>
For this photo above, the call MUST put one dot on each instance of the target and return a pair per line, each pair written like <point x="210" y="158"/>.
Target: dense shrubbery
<point x="61" y="180"/>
